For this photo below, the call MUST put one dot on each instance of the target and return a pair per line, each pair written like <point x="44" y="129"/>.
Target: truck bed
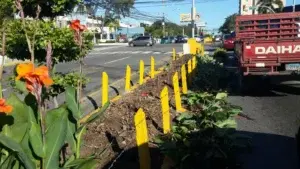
<point x="268" y="43"/>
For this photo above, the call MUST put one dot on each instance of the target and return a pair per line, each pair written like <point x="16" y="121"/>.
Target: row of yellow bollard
<point x="128" y="87"/>
<point x="140" y="118"/>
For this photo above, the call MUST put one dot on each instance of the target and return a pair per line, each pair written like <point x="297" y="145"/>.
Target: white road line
<point x="157" y="53"/>
<point x="168" y="52"/>
<point x="135" y="52"/>
<point x="147" y="52"/>
<point x="117" y="60"/>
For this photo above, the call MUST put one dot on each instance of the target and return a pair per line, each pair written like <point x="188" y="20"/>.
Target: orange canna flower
<point x="76" y="26"/>
<point x="4" y="108"/>
<point x="35" y="78"/>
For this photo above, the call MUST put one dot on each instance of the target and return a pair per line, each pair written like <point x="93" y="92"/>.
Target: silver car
<point x="142" y="41"/>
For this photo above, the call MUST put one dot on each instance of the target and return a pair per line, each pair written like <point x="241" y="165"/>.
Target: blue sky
<point x="211" y="11"/>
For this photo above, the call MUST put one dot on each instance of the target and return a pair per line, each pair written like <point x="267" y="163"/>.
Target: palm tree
<point x="264" y="6"/>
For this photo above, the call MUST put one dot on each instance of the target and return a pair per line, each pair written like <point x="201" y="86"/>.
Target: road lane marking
<point x="117" y="60"/>
<point x="135" y="52"/>
<point x="147" y="52"/>
<point x="157" y="53"/>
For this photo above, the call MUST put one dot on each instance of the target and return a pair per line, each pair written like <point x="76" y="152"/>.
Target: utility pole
<point x="163" y="21"/>
<point x="294" y="4"/>
<point x="193" y="19"/>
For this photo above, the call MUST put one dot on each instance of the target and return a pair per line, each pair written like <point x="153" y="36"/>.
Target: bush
<point x="61" y="82"/>
<point x="210" y="75"/>
<point x="204" y="139"/>
<point x="64" y="47"/>
<point x="220" y="53"/>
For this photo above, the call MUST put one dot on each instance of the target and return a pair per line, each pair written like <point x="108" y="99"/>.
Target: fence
<point x="185" y="76"/>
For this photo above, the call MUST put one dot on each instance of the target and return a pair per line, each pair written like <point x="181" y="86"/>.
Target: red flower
<point x="76" y="26"/>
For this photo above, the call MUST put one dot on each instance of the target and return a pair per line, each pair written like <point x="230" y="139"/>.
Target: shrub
<point x="204" y="139"/>
<point x="209" y="74"/>
<point x="220" y="53"/>
<point x="64" y="47"/>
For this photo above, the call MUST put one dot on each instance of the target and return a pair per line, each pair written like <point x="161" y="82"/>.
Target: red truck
<point x="268" y="44"/>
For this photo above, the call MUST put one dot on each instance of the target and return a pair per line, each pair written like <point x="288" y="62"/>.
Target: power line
<point x="185" y="3"/>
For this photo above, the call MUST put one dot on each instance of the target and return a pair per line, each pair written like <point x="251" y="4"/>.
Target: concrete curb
<point x="92" y="102"/>
<point x="111" y="44"/>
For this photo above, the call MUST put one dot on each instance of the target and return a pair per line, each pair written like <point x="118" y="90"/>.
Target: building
<point x="249" y="7"/>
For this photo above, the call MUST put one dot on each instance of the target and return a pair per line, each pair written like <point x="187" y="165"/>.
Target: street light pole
<point x="163" y="22"/>
<point x="193" y="19"/>
<point x="294" y="4"/>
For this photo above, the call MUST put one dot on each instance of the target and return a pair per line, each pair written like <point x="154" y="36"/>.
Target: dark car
<point x="181" y="39"/>
<point x="142" y="41"/>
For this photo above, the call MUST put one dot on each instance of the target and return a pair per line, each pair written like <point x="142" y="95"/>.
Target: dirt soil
<point x="112" y="138"/>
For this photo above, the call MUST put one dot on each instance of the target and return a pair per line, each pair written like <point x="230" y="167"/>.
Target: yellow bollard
<point x="183" y="79"/>
<point x="174" y="54"/>
<point x="152" y="69"/>
<point x="142" y="70"/>
<point x="142" y="139"/>
<point x="194" y="63"/>
<point x="177" y="93"/>
<point x="193" y="44"/>
<point x="104" y="88"/>
<point x="127" y="78"/>
<point x="165" y="109"/>
<point x="189" y="74"/>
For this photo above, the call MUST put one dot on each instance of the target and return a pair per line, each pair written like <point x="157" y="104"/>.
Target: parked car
<point x="142" y="41"/>
<point x="228" y="41"/>
<point x="198" y="39"/>
<point x="181" y="39"/>
<point x="166" y="40"/>
<point x="217" y="38"/>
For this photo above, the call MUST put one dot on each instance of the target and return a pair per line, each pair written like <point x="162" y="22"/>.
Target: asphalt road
<point x="113" y="60"/>
<point x="271" y="117"/>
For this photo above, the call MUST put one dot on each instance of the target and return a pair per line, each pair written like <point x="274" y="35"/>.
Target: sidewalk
<point x="111" y="44"/>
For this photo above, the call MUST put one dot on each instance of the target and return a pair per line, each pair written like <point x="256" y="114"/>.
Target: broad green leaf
<point x="221" y="96"/>
<point x="90" y="164"/>
<point x="97" y="114"/>
<point x="17" y="148"/>
<point x="22" y="115"/>
<point x="78" y="162"/>
<point x="70" y="138"/>
<point x="229" y="123"/>
<point x="56" y="131"/>
<point x="71" y="100"/>
<point x="35" y="138"/>
<point x="183" y="116"/>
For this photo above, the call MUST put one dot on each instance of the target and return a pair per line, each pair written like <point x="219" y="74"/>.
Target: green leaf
<point x="22" y="115"/>
<point x="78" y="162"/>
<point x="90" y="164"/>
<point x="97" y="114"/>
<point x="35" y="137"/>
<point x="71" y="100"/>
<point x="229" y="123"/>
<point x="221" y="96"/>
<point x="70" y="138"/>
<point x="184" y="115"/>
<point x="56" y="131"/>
<point x="17" y="148"/>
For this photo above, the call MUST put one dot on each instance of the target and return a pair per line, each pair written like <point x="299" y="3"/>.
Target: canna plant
<point x="33" y="137"/>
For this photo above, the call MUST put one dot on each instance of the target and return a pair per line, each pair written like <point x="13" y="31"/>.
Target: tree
<point x="229" y="24"/>
<point x="156" y="29"/>
<point x="50" y="8"/>
<point x="264" y="6"/>
<point x="6" y="10"/>
<point x="113" y="10"/>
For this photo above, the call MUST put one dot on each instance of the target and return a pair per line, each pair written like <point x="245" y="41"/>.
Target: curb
<point x="91" y="103"/>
